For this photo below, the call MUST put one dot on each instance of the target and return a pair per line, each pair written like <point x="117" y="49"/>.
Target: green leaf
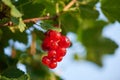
<point x="4" y="12"/>
<point x="4" y="78"/>
<point x="88" y="12"/>
<point x="38" y="71"/>
<point x="3" y="60"/>
<point x="111" y="9"/>
<point x="96" y="45"/>
<point x="23" y="77"/>
<point x="76" y="21"/>
<point x="70" y="22"/>
<point x="15" y="20"/>
<point x="12" y="72"/>
<point x="35" y="8"/>
<point x="16" y="16"/>
<point x="88" y="2"/>
<point x="14" y="12"/>
<point x="17" y="24"/>
<point x="17" y="36"/>
<point x="21" y="25"/>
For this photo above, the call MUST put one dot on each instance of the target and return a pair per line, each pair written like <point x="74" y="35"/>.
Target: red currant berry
<point x="53" y="34"/>
<point x="64" y="42"/>
<point x="54" y="45"/>
<point x="49" y="44"/>
<point x="53" y="59"/>
<point x="51" y="53"/>
<point x="45" y="60"/>
<point x="61" y="52"/>
<point x="52" y="65"/>
<point x="46" y="44"/>
<point x="59" y="59"/>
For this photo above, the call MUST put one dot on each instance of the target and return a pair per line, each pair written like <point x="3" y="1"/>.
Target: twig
<point x="66" y="8"/>
<point x="32" y="20"/>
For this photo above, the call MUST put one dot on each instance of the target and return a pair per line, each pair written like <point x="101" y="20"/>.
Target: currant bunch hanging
<point x="55" y="44"/>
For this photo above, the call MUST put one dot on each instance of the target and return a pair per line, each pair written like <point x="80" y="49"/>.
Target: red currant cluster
<point x="56" y="45"/>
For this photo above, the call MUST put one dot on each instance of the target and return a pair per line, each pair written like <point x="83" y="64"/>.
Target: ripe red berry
<point x="61" y="52"/>
<point x="52" y="65"/>
<point x="64" y="42"/>
<point x="46" y="43"/>
<point x="53" y="59"/>
<point x="54" y="45"/>
<point x="58" y="59"/>
<point x="53" y="34"/>
<point x="45" y="60"/>
<point x="51" y="53"/>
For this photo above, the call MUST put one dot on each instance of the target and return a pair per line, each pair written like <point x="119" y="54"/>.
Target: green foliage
<point x="12" y="73"/>
<point x="96" y="44"/>
<point x="70" y="22"/>
<point x="27" y="7"/>
<point x="7" y="34"/>
<point x="13" y="10"/>
<point x="80" y="18"/>
<point x="18" y="23"/>
<point x="88" y="10"/>
<point x="111" y="9"/>
<point x="23" y="77"/>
